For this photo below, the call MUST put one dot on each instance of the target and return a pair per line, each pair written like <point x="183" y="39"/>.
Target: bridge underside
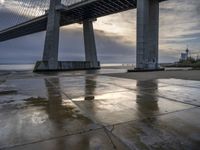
<point x="70" y="15"/>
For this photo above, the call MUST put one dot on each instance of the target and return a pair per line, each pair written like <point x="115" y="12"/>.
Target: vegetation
<point x="190" y="62"/>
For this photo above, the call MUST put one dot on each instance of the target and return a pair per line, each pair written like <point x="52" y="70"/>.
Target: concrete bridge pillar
<point x="89" y="42"/>
<point x="50" y="53"/>
<point x="147" y="35"/>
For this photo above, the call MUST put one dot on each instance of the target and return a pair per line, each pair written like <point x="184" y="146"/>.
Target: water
<point x="16" y="67"/>
<point x="106" y="68"/>
<point x="20" y="67"/>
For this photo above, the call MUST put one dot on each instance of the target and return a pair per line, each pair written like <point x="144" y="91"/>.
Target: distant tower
<point x="187" y="52"/>
<point x="185" y="56"/>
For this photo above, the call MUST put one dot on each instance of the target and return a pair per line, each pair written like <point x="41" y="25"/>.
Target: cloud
<point x="2" y="2"/>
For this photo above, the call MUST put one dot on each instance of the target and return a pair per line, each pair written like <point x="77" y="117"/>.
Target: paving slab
<point x="178" y="131"/>
<point x="180" y="82"/>
<point x="181" y="93"/>
<point x="83" y="86"/>
<point x="95" y="140"/>
<point x="38" y="111"/>
<point x="114" y="108"/>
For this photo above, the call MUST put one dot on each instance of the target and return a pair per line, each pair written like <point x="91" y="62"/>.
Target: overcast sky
<point x="115" y="36"/>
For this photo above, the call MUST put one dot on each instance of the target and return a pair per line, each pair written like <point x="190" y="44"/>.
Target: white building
<point x="184" y="56"/>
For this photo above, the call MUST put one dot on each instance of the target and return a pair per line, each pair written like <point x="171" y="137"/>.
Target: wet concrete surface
<point x="93" y="111"/>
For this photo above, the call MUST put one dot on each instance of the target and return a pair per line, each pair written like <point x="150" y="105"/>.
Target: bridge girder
<point x="72" y="14"/>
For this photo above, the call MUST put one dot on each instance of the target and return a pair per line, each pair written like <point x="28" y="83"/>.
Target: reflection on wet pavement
<point x="98" y="112"/>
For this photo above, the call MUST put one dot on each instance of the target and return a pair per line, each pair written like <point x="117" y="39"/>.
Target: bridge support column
<point x="147" y="35"/>
<point x="50" y="54"/>
<point x="90" y="46"/>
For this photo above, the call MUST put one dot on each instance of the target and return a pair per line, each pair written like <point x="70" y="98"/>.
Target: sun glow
<point x="2" y="1"/>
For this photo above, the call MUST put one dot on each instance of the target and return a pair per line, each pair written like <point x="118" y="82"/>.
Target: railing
<point x="14" y="12"/>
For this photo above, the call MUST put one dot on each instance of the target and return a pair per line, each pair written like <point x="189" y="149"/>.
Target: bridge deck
<point x="88" y="9"/>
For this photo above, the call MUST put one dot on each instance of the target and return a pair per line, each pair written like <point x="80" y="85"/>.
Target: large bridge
<point x="85" y="12"/>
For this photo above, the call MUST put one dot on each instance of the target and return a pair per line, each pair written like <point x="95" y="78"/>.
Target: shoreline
<point x="177" y="74"/>
<point x="120" y="72"/>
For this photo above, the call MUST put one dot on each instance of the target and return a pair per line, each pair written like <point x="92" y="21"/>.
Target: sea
<point x="20" y="67"/>
<point x="122" y="67"/>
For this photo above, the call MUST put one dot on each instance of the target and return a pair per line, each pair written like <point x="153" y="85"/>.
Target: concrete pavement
<point x="93" y="111"/>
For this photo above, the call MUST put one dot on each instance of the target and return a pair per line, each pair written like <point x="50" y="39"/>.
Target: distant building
<point x="184" y="56"/>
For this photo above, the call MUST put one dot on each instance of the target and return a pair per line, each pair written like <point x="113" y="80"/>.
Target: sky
<point x="115" y="36"/>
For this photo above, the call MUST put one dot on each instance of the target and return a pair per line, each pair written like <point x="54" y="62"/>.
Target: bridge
<point x="65" y="12"/>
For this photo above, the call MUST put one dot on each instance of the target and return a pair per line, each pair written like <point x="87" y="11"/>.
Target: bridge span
<point x="85" y="12"/>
